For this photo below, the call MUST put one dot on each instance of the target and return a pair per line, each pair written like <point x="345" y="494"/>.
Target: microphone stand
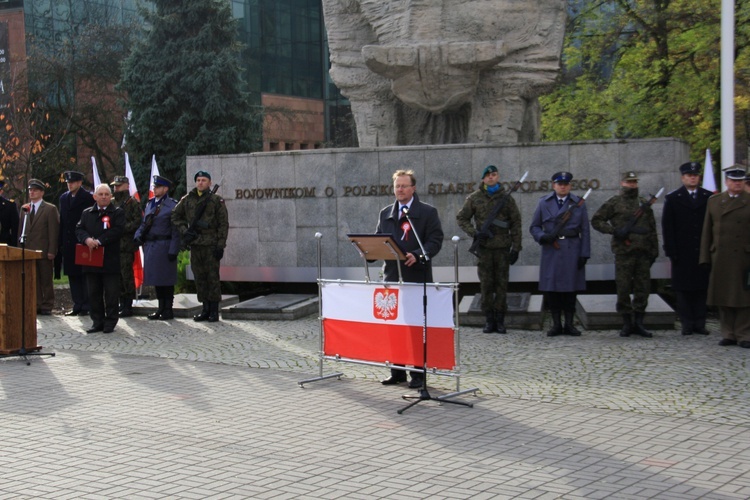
<point x="23" y="352"/>
<point x="423" y="395"/>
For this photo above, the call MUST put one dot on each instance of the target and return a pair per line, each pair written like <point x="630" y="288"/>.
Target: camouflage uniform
<point x="493" y="262"/>
<point x="133" y="217"/>
<point x="634" y="256"/>
<point x="212" y="230"/>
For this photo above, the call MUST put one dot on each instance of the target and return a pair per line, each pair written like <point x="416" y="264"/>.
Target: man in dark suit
<point x="42" y="228"/>
<point x="72" y="204"/>
<point x="102" y="226"/>
<point x="682" y="224"/>
<point x="415" y="268"/>
<point x="724" y="249"/>
<point x="8" y="219"/>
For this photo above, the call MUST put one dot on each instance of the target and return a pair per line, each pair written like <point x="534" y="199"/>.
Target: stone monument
<point x="448" y="72"/>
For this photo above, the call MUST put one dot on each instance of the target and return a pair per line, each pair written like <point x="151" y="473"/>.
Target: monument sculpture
<point x="449" y="72"/>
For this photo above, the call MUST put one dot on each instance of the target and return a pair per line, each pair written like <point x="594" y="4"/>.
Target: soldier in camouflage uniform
<point x="206" y="238"/>
<point x="499" y="247"/>
<point x="635" y="251"/>
<point x="133" y="217"/>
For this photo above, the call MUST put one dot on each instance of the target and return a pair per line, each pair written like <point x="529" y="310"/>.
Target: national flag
<point x="138" y="257"/>
<point x="131" y="179"/>
<point x="95" y="172"/>
<point x="154" y="171"/>
<point x="371" y="322"/>
<point x="709" y="181"/>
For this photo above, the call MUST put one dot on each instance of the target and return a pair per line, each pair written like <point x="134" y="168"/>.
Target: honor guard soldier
<point x="630" y="221"/>
<point x="72" y="204"/>
<point x="42" y="233"/>
<point x="561" y="226"/>
<point x="682" y="224"/>
<point x="133" y="217"/>
<point x="499" y="245"/>
<point x="202" y="219"/>
<point x="8" y="219"/>
<point x="161" y="244"/>
<point x="724" y="250"/>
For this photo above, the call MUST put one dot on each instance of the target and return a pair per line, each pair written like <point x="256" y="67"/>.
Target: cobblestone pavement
<point x="576" y="418"/>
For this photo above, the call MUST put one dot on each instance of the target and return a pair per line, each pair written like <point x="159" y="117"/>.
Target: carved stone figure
<point x="442" y="72"/>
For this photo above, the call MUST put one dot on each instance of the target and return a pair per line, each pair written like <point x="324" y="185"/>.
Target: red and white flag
<point x="709" y="182"/>
<point x="95" y="174"/>
<point x="131" y="179"/>
<point x="368" y="322"/>
<point x="154" y="171"/>
<point x="138" y="258"/>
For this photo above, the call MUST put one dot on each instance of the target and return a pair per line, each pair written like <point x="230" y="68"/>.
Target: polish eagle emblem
<point x="385" y="304"/>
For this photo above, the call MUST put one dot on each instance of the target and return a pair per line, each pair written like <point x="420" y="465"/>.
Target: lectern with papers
<point x="373" y="247"/>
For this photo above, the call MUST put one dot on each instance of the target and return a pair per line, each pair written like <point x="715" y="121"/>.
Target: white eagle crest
<point x="385" y="303"/>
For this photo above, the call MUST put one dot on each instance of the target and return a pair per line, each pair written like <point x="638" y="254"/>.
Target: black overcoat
<point x="682" y="224"/>
<point x="71" y="208"/>
<point x="92" y="225"/>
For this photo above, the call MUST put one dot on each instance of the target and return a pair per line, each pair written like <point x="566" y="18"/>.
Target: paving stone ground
<point x="194" y="410"/>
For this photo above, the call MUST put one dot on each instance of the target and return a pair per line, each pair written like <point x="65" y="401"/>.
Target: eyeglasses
<point x="403" y="186"/>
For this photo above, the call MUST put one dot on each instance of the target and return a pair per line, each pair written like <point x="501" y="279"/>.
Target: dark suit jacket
<point x="71" y="208"/>
<point x="426" y="224"/>
<point x="92" y="225"/>
<point x="682" y="224"/>
<point x="42" y="233"/>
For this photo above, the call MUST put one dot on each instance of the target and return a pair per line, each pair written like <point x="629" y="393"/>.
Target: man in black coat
<point x="102" y="226"/>
<point x="415" y="269"/>
<point x="682" y="223"/>
<point x="8" y="219"/>
<point x="72" y="204"/>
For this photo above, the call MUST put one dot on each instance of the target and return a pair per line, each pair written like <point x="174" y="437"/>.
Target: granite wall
<point x="278" y="201"/>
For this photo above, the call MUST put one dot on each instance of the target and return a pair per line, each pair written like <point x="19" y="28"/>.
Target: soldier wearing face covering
<point x="635" y="249"/>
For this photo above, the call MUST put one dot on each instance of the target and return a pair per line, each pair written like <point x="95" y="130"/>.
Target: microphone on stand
<point x="22" y="238"/>
<point x="424" y="257"/>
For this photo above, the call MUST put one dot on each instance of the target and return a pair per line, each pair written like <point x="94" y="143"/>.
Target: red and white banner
<point x="369" y="322"/>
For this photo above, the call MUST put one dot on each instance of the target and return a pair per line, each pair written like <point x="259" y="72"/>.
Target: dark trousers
<point x="104" y="297"/>
<point x="79" y="292"/>
<point x="560" y="301"/>
<point x="691" y="307"/>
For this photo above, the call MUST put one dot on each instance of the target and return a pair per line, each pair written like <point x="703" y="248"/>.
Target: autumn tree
<point x="647" y="68"/>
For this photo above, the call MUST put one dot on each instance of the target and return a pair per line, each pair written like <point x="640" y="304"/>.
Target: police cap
<point x="162" y="181"/>
<point x="72" y="176"/>
<point x="562" y="177"/>
<point x="735" y="172"/>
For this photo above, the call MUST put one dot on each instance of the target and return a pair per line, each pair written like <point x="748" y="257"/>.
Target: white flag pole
<point x="727" y="86"/>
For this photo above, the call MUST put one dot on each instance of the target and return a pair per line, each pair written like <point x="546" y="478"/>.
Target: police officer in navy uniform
<point x="682" y="224"/>
<point x="72" y="204"/>
<point x="8" y="219"/>
<point x="161" y="244"/>
<point x="562" y="273"/>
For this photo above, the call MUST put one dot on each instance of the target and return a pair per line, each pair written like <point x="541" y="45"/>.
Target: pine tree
<point x="185" y="92"/>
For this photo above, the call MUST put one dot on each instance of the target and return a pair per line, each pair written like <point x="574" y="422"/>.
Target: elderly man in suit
<point x="724" y="250"/>
<point x="42" y="224"/>
<point x="72" y="204"/>
<point x="682" y="224"/>
<point x="102" y="226"/>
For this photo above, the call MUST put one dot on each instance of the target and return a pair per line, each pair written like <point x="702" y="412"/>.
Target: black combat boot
<point x="638" y="327"/>
<point x="569" y="328"/>
<point x="203" y="316"/>
<point x="500" y="319"/>
<point x="627" y="326"/>
<point x="557" y="328"/>
<point x="213" y="312"/>
<point x="126" y="309"/>
<point x="160" y="309"/>
<point x="490" y="326"/>
<point x="168" y="297"/>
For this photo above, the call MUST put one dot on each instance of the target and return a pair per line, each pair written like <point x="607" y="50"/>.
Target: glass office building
<point x="284" y="55"/>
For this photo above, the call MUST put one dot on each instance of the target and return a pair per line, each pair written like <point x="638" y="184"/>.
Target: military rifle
<point x="485" y="229"/>
<point x="564" y="217"/>
<point x="191" y="233"/>
<point x="623" y="232"/>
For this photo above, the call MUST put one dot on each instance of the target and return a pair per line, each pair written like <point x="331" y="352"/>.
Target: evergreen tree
<point x="185" y="92"/>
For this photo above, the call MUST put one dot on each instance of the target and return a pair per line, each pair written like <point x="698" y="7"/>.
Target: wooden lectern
<point x="378" y="246"/>
<point x="12" y="262"/>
